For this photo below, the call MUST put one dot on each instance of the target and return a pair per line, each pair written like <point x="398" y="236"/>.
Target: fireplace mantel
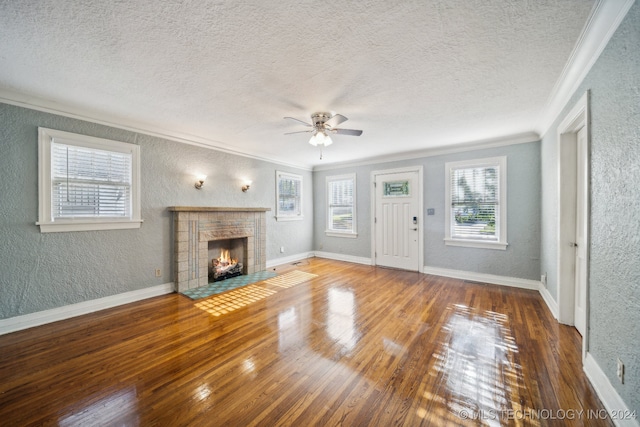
<point x="195" y="226"/>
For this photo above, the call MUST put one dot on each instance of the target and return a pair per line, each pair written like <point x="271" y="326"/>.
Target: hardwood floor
<point x="354" y="346"/>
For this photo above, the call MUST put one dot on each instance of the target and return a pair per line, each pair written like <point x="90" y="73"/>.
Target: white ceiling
<point x="411" y="74"/>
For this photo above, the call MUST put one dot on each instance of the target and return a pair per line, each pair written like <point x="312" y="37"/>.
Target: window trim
<point x="341" y="233"/>
<point x="45" y="219"/>
<point x="282" y="216"/>
<point x="501" y="212"/>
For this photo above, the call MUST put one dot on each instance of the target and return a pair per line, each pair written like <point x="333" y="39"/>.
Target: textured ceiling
<point x="412" y="74"/>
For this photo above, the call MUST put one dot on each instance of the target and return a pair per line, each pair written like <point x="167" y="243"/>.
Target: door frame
<point x="421" y="220"/>
<point x="575" y="120"/>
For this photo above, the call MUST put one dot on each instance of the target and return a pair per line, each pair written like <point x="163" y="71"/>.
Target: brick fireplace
<point x="195" y="226"/>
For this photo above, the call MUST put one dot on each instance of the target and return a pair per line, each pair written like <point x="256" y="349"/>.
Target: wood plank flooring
<point x="354" y="346"/>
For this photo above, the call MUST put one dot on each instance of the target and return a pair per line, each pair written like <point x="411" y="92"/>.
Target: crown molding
<point x="502" y="141"/>
<point x="52" y="107"/>
<point x="605" y="17"/>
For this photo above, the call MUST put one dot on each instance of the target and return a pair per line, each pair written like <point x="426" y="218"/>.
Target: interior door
<point x="581" y="233"/>
<point x="397" y="220"/>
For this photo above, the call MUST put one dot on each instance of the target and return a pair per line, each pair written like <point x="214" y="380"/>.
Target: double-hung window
<point x="87" y="183"/>
<point x="477" y="203"/>
<point x="341" y="206"/>
<point x="288" y="196"/>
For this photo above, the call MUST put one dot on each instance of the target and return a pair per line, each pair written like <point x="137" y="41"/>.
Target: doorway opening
<point x="573" y="219"/>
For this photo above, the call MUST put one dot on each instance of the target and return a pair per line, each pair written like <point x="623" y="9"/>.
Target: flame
<point x="224" y="259"/>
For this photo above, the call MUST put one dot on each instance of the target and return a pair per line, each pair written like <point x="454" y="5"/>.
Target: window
<point x="395" y="188"/>
<point x="341" y="206"/>
<point x="289" y="196"/>
<point x="87" y="183"/>
<point x="477" y="203"/>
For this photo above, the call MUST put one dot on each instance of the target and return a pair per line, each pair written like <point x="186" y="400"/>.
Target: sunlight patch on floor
<point x="233" y="300"/>
<point x="290" y="279"/>
<point x="227" y="302"/>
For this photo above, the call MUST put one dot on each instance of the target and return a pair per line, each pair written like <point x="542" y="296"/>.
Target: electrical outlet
<point x="158" y="272"/>
<point x="281" y="249"/>
<point x="620" y="372"/>
<point x="543" y="279"/>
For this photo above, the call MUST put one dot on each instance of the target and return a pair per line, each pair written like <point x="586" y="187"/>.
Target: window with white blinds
<point x="90" y="183"/>
<point x="288" y="196"/>
<point x="476" y="196"/>
<point x="341" y="205"/>
<point x="87" y="183"/>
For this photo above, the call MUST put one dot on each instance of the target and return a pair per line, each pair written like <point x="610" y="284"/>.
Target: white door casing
<point x="581" y="232"/>
<point x="397" y="220"/>
<point x="573" y="261"/>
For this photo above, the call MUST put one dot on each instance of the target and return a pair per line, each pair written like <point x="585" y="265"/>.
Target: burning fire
<point x="225" y="266"/>
<point x="224" y="260"/>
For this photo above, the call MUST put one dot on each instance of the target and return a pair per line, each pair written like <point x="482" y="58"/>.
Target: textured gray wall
<point x="520" y="260"/>
<point x="45" y="271"/>
<point x="614" y="277"/>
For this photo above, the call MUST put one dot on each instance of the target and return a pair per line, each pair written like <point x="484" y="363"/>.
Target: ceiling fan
<point x="323" y="124"/>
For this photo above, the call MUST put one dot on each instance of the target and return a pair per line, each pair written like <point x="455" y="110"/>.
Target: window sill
<point x="289" y="218"/>
<point x="62" y="227"/>
<point x="349" y="235"/>
<point x="476" y="244"/>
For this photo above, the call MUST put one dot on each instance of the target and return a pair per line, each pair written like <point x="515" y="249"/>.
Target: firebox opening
<point x="227" y="258"/>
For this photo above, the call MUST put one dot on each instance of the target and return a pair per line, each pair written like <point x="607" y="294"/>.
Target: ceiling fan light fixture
<point x="322" y="124"/>
<point x="320" y="138"/>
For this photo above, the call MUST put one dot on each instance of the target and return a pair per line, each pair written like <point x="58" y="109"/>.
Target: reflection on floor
<point x="477" y="366"/>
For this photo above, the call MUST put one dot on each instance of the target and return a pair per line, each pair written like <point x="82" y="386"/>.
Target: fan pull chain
<point x="321" y="153"/>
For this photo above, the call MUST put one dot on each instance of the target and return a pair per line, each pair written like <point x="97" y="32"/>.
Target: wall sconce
<point x="200" y="181"/>
<point x="246" y="186"/>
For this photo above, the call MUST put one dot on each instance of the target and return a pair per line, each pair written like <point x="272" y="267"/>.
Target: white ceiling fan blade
<point x="352" y="132"/>
<point x="298" y="120"/>
<point x="300" y="131"/>
<point x="335" y="120"/>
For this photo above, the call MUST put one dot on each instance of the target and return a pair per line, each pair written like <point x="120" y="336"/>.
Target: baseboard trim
<point x="288" y="259"/>
<point x="26" y="321"/>
<point x="343" y="257"/>
<point x="548" y="299"/>
<point x="610" y="398"/>
<point x="483" y="277"/>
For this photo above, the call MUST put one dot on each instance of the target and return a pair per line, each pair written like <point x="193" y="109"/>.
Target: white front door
<point x="581" y="233"/>
<point x="397" y="220"/>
